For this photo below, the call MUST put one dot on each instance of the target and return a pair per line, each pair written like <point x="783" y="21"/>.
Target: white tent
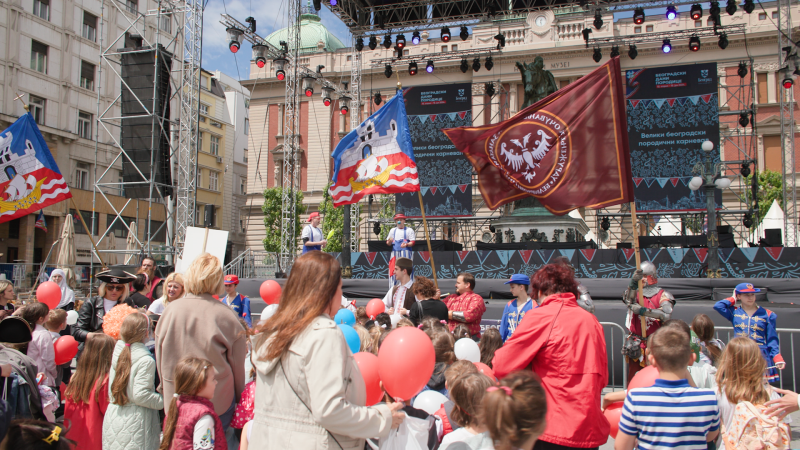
<point x="773" y="219"/>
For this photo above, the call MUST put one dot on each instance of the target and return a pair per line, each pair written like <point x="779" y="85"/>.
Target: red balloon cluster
<point x="65" y="347"/>
<point x="270" y="292"/>
<point x="375" y="307"/>
<point x="368" y="365"/>
<point x="405" y="361"/>
<point x="49" y="293"/>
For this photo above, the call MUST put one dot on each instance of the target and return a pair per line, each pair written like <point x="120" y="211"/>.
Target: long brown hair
<point x="191" y="375"/>
<point x="741" y="372"/>
<point x="490" y="342"/>
<point x="443" y="345"/>
<point x="703" y="327"/>
<point x="93" y="367"/>
<point x="307" y="294"/>
<point x="515" y="411"/>
<point x="134" y="329"/>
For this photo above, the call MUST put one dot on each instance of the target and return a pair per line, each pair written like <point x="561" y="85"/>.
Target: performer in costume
<point x="755" y="322"/>
<point x="312" y="234"/>
<point x="239" y="303"/>
<point x="465" y="306"/>
<point x="401" y="238"/>
<point x="657" y="309"/>
<point x="400" y="297"/>
<point x="515" y="309"/>
<point x="584" y="298"/>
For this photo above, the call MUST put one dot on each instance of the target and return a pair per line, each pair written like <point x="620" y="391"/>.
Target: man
<point x="656" y="310"/>
<point x="400" y="297"/>
<point x="239" y="303"/>
<point x="465" y="306"/>
<point x="402" y="239"/>
<point x="312" y="234"/>
<point x="584" y="299"/>
<point x="156" y="288"/>
<point x="515" y="309"/>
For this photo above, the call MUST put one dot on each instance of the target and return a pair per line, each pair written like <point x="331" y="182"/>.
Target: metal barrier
<point x="613" y="350"/>
<point x="784" y="334"/>
<point x="253" y="264"/>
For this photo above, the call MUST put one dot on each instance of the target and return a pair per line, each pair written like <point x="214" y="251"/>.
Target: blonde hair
<point x="366" y="339"/>
<point x="204" y="275"/>
<point x="173" y="277"/>
<point x="741" y="372"/>
<point x="101" y="291"/>
<point x="4" y="284"/>
<point x="134" y="329"/>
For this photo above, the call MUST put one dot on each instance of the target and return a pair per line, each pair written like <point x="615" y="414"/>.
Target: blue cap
<point x="746" y="288"/>
<point x="519" y="278"/>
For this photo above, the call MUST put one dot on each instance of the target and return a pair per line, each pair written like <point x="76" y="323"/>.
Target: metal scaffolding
<point x="355" y="121"/>
<point x="787" y="125"/>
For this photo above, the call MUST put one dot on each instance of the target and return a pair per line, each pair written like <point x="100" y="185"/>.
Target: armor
<point x="585" y="300"/>
<point x="458" y="316"/>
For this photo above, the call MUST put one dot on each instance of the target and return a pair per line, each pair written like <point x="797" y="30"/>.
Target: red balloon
<point x="644" y="378"/>
<point x="374" y="307"/>
<point x="65" y="347"/>
<point x="486" y="370"/>
<point x="270" y="292"/>
<point x="405" y="362"/>
<point x="368" y="366"/>
<point x="613" y="412"/>
<point x="49" y="293"/>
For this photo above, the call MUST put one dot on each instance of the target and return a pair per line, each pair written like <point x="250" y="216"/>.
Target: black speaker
<point x="145" y="129"/>
<point x="724" y="229"/>
<point x="624" y="245"/>
<point x="773" y="237"/>
<point x="208" y="216"/>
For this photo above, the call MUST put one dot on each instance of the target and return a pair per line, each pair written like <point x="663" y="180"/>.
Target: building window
<point x="247" y="103"/>
<point x="87" y="75"/>
<point x="82" y="176"/>
<point x="243" y="185"/>
<point x="637" y="29"/>
<point x="89" y="30"/>
<point x="773" y="154"/>
<point x="454" y="48"/>
<point x="246" y="126"/>
<point x="199" y="177"/>
<point x="38" y="57"/>
<point x="649" y="29"/>
<point x="698" y="23"/>
<point x="121" y="180"/>
<point x="213" y="180"/>
<point x="36" y="105"/>
<point x="41" y="8"/>
<point x="405" y="52"/>
<point x="245" y="156"/>
<point x="761" y="87"/>
<point x="118" y="227"/>
<point x="84" y="125"/>
<point x="349" y="58"/>
<point x="165" y="23"/>
<point x="444" y="48"/>
<point x="775" y="15"/>
<point x="203" y="109"/>
<point x="91" y="222"/>
<point x="132" y="6"/>
<point x="200" y="141"/>
<point x="215" y="145"/>
<point x="762" y="16"/>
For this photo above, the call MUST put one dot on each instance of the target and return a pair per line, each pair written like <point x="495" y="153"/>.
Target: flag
<point x="568" y="150"/>
<point x="375" y="158"/>
<point x="29" y="177"/>
<point x="40" y="222"/>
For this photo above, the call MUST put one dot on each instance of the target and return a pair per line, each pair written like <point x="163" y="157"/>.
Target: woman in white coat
<point x="310" y="393"/>
<point x="67" y="302"/>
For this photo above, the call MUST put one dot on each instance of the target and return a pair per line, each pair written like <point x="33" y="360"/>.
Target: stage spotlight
<point x="787" y="81"/>
<point x="373" y="42"/>
<point x="638" y="16"/>
<point x="666" y="47"/>
<point x="326" y="96"/>
<point x="464" y="33"/>
<point x="697" y="11"/>
<point x="376" y="228"/>
<point x="597" y="55"/>
<point x="464" y="65"/>
<point x="694" y="43"/>
<point x="747" y="220"/>
<point x="730" y="8"/>
<point x="745" y="170"/>
<point x="489" y="63"/>
<point x="258" y="55"/>
<point x="445" y="35"/>
<point x="234" y="38"/>
<point x="400" y="41"/>
<point x="714" y="9"/>
<point x="388" y="71"/>
<point x="489" y="88"/>
<point x="415" y="38"/>
<point x="377" y="98"/>
<point x="280" y="65"/>
<point x="429" y="68"/>
<point x="723" y="41"/>
<point x="501" y="41"/>
<point x="605" y="224"/>
<point x="360" y="44"/>
<point x="586" y="32"/>
<point x="743" y="119"/>
<point x="614" y="51"/>
<point x="632" y="52"/>
<point x="742" y="70"/>
<point x="343" y="108"/>
<point x="672" y="13"/>
<point x="387" y="41"/>
<point x="598" y="20"/>
<point x="476" y="64"/>
<point x="749" y="6"/>
<point x="308" y="86"/>
<point x="412" y="68"/>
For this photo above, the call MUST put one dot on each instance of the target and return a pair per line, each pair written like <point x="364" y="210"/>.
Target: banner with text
<point x="671" y="112"/>
<point x="445" y="175"/>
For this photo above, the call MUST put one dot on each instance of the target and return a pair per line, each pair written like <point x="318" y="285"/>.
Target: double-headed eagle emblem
<point x="529" y="157"/>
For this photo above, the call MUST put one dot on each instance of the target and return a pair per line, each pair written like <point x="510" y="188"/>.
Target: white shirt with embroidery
<point x="399" y="296"/>
<point x="203" y="436"/>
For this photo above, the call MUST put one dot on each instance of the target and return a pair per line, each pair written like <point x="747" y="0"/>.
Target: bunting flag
<point x="40" y="222"/>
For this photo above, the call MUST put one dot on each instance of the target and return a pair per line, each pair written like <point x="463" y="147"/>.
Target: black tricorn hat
<point x="15" y="330"/>
<point x="116" y="276"/>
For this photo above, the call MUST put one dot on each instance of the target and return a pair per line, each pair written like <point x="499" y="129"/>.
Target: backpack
<point x="751" y="429"/>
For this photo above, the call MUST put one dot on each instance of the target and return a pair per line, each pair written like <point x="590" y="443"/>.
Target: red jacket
<point x="566" y="347"/>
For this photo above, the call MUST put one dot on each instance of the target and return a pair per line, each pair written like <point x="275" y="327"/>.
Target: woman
<point x="565" y="346"/>
<point x="113" y="291"/>
<point x="312" y="394"/>
<point x="140" y="290"/>
<point x="6" y="296"/>
<point x="67" y="302"/>
<point x="426" y="305"/>
<point x="174" y="284"/>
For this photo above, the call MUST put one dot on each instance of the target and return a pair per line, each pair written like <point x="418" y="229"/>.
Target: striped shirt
<point x="670" y="414"/>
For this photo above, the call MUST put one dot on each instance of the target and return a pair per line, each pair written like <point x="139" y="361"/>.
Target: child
<point x="56" y="323"/>
<point x="430" y="325"/>
<point x="443" y="344"/>
<point x="131" y="421"/>
<point x="31" y="434"/>
<point x="384" y="321"/>
<point x="191" y="422"/>
<point x="361" y="315"/>
<point x="514" y="412"/>
<point x="41" y="347"/>
<point x="703" y="333"/>
<point x="244" y="411"/>
<point x="457" y="369"/>
<point x="375" y="335"/>
<point x="647" y="411"/>
<point x="757" y="323"/>
<point x="87" y="393"/>
<point x="404" y="322"/>
<point x="461" y="331"/>
<point x="467" y="393"/>
<point x="366" y="338"/>
<point x="489" y="343"/>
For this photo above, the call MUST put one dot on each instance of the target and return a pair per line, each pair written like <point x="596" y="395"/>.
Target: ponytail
<point x="190" y="374"/>
<point x="134" y="329"/>
<point x="169" y="424"/>
<point x="703" y="327"/>
<point x="515" y="411"/>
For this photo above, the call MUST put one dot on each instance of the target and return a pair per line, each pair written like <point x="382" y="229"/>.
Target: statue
<point x="539" y="83"/>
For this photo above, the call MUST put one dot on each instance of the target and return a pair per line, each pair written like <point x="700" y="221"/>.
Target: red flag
<point x="567" y="150"/>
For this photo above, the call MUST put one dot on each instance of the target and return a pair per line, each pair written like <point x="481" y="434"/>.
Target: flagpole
<point x="638" y="263"/>
<point x="427" y="238"/>
<point x="88" y="232"/>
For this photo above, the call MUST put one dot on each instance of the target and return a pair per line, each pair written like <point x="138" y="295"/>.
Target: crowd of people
<point x="176" y="363"/>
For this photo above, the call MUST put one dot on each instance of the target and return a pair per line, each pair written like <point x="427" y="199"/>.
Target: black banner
<point x="671" y="112"/>
<point x="445" y="175"/>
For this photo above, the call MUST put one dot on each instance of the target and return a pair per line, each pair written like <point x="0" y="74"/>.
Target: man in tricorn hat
<point x="402" y="239"/>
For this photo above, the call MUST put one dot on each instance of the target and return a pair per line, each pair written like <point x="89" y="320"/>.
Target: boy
<point x="515" y="309"/>
<point x="670" y="414"/>
<point x="56" y="322"/>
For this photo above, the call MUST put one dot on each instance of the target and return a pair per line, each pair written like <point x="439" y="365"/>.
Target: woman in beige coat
<point x="309" y="391"/>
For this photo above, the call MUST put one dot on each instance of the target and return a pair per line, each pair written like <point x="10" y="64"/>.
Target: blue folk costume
<point x="241" y="306"/>
<point x="512" y="317"/>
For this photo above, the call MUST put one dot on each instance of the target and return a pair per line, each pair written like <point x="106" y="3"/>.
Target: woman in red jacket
<point x="565" y="346"/>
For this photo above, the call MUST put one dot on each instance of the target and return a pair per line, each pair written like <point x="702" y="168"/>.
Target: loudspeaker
<point x="624" y="245"/>
<point x="208" y="216"/>
<point x="145" y="128"/>
<point x="773" y="237"/>
<point x="724" y="229"/>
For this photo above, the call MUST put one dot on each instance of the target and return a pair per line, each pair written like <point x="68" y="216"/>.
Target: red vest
<point x="190" y="409"/>
<point x="153" y="289"/>
<point x="653" y="302"/>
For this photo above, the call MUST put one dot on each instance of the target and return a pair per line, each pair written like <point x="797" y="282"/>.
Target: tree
<point x="272" y="210"/>
<point x="770" y="187"/>
<point x="333" y="219"/>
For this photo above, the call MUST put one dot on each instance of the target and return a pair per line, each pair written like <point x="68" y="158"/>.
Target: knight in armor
<point x="656" y="309"/>
<point x="584" y="298"/>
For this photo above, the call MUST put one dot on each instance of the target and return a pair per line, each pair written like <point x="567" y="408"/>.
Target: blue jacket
<point x="241" y="306"/>
<point x="760" y="327"/>
<point x="512" y="318"/>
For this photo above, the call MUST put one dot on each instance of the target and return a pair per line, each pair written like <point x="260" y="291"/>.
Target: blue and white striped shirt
<point x="670" y="414"/>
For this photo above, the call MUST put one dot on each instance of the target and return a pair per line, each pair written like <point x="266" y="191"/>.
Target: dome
<point x="312" y="31"/>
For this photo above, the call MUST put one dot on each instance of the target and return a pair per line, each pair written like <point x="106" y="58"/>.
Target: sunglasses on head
<point x="116" y="287"/>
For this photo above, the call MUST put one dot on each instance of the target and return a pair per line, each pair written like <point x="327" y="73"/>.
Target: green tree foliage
<point x="770" y="187"/>
<point x="332" y="219"/>
<point x="272" y="217"/>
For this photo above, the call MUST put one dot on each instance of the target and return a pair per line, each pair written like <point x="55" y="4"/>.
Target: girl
<point x="31" y="434"/>
<point x="366" y="339"/>
<point x="244" y="410"/>
<point x="489" y="343"/>
<point x="140" y="287"/>
<point x="515" y="411"/>
<point x="703" y="333"/>
<point x="174" y="291"/>
<point x="199" y="426"/>
<point x="461" y="331"/>
<point x="131" y="421"/>
<point x="443" y="344"/>
<point x="40" y="348"/>
<point x="375" y="335"/>
<point x="67" y="302"/>
<point x="467" y="393"/>
<point x="754" y="322"/>
<point x="87" y="393"/>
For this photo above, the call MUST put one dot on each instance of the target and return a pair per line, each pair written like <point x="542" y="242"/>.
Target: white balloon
<point x="467" y="349"/>
<point x="395" y="318"/>
<point x="429" y="401"/>
<point x="72" y="317"/>
<point x="268" y="312"/>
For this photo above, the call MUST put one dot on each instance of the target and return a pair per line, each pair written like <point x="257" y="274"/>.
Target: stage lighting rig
<point x="360" y="44"/>
<point x="666" y="46"/>
<point x="638" y="16"/>
<point x="749" y="6"/>
<point x="280" y="66"/>
<point x="747" y="220"/>
<point x="598" y="20"/>
<point x="742" y="70"/>
<point x="415" y="38"/>
<point x="259" y="52"/>
<point x="373" y="42"/>
<point x="400" y="41"/>
<point x="464" y="35"/>
<point x="713" y="12"/>
<point x="694" y="43"/>
<point x="605" y="224"/>
<point x="489" y="63"/>
<point x="730" y="8"/>
<point x="234" y="38"/>
<point x="464" y="65"/>
<point x="489" y="88"/>
<point x="597" y="55"/>
<point x="744" y="120"/>
<point x="614" y="51"/>
<point x="429" y="68"/>
<point x="387" y="41"/>
<point x="696" y="12"/>
<point x="308" y="86"/>
<point x="586" y="32"/>
<point x="632" y="52"/>
<point x="412" y="68"/>
<point x="388" y="71"/>
<point x="672" y="13"/>
<point x="501" y="40"/>
<point x="326" y="95"/>
<point x="377" y="98"/>
<point x="445" y="35"/>
<point x="745" y="169"/>
<point x="343" y="108"/>
<point x="723" y="41"/>
<point x="476" y="64"/>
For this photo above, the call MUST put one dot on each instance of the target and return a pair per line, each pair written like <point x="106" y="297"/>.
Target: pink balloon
<point x="644" y="378"/>
<point x="49" y="293"/>
<point x="368" y="366"/>
<point x="486" y="370"/>
<point x="405" y="362"/>
<point x="375" y="307"/>
<point x="270" y="292"/>
<point x="65" y="347"/>
<point x="613" y="413"/>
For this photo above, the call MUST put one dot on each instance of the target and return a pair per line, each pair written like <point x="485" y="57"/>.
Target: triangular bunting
<point x="462" y="256"/>
<point x="462" y="114"/>
<point x="774" y="252"/>
<point x="569" y="253"/>
<point x="426" y="256"/>
<point x="588" y="254"/>
<point x="671" y="101"/>
<point x="649" y="181"/>
<point x="526" y="255"/>
<point x="635" y="103"/>
<point x="706" y="97"/>
<point x="504" y="256"/>
<point x="424" y="189"/>
<point x="674" y="181"/>
<point x="650" y="254"/>
<point x="659" y="102"/>
<point x="371" y="257"/>
<point x="433" y="117"/>
<point x="545" y="255"/>
<point x="694" y="99"/>
<point x="701" y="254"/>
<point x="677" y="254"/>
<point x="637" y="181"/>
<point x="483" y="254"/>
<point x="451" y="116"/>
<point x="725" y="253"/>
<point x="462" y="188"/>
<point x="453" y="188"/>
<point x="749" y="252"/>
<point x="433" y="190"/>
<point x="662" y="181"/>
<point x="628" y="252"/>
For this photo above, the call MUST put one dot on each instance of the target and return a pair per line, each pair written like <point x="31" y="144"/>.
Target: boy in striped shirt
<point x="671" y="414"/>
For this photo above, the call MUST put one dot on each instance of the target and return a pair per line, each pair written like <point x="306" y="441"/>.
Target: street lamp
<point x="710" y="175"/>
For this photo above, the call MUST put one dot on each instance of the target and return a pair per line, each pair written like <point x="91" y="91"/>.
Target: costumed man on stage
<point x="239" y="303"/>
<point x="584" y="298"/>
<point x="400" y="297"/>
<point x="401" y="238"/>
<point x="312" y="234"/>
<point x="465" y="306"/>
<point x="515" y="309"/>
<point x="657" y="309"/>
